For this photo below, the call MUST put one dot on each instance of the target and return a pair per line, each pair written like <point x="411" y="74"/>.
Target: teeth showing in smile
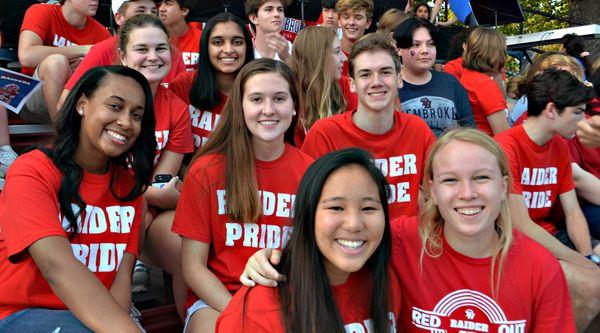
<point x="116" y="135"/>
<point x="468" y="211"/>
<point x="268" y="122"/>
<point x="152" y="67"/>
<point x="228" y="59"/>
<point x="350" y="244"/>
<point x="377" y="94"/>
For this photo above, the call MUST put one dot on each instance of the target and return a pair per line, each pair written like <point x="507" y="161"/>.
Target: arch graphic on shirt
<point x="467" y="305"/>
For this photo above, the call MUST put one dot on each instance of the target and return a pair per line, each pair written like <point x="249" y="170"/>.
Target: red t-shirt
<point x="345" y="69"/>
<point x="189" y="46"/>
<point x="105" y="54"/>
<point x="400" y="153"/>
<point x="173" y="127"/>
<point x="258" y="309"/>
<point x="202" y="214"/>
<point x="203" y="121"/>
<point x="29" y="211"/>
<point x="540" y="173"/>
<point x="47" y="21"/>
<point x="452" y="292"/>
<point x="485" y="96"/>
<point x="587" y="158"/>
<point x="349" y="96"/>
<point x="454" y="67"/>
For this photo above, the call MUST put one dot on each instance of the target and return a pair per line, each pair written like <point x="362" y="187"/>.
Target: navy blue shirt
<point x="442" y="102"/>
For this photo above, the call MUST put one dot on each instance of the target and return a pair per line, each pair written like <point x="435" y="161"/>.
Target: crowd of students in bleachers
<point x="196" y="148"/>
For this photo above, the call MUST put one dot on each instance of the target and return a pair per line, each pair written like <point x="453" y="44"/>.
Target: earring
<point x="294" y="113"/>
<point x="80" y="111"/>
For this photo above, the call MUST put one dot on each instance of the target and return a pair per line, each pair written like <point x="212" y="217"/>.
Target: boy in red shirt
<point x="354" y="17"/>
<point x="52" y="42"/>
<point x="268" y="17"/>
<point x="542" y="175"/>
<point x="175" y="14"/>
<point x="398" y="141"/>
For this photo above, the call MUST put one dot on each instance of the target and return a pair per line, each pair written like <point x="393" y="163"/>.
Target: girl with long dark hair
<point x="336" y="263"/>
<point x="70" y="213"/>
<point x="240" y="188"/>
<point x="225" y="47"/>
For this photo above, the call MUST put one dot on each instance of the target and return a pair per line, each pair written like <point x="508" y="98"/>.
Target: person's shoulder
<point x="412" y="121"/>
<point x="164" y="95"/>
<point x="445" y="78"/>
<point x="43" y="8"/>
<point x="338" y="120"/>
<point x="510" y="135"/>
<point x="298" y="155"/>
<point x="207" y="163"/>
<point x="184" y="78"/>
<point x="35" y="164"/>
<point x="255" y="308"/>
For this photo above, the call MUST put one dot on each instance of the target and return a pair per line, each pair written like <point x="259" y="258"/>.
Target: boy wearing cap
<point x="175" y="14"/>
<point x="268" y="17"/>
<point x="52" y="42"/>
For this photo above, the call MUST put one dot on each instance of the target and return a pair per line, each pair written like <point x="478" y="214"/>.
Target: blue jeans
<point x="592" y="216"/>
<point x="40" y="320"/>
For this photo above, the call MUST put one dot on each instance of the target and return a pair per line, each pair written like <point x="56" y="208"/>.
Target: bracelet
<point x="594" y="258"/>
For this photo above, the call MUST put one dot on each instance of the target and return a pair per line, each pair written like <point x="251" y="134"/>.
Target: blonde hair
<point x="310" y="61"/>
<point x="390" y="20"/>
<point x="485" y="51"/>
<point x="431" y="222"/>
<point x="355" y="5"/>
<point x="548" y="60"/>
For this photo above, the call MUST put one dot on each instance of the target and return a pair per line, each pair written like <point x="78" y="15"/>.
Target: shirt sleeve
<point x="30" y="209"/>
<point x="180" y="86"/>
<point x="37" y="19"/>
<point x="95" y="57"/>
<point x="180" y="133"/>
<point x="490" y="97"/>
<point x="553" y="290"/>
<point x="566" y="179"/>
<point x="193" y="212"/>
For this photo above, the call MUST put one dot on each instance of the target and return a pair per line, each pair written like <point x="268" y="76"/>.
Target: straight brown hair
<point x="232" y="139"/>
<point x="486" y="51"/>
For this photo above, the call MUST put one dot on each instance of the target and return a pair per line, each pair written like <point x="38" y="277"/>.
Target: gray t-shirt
<point x="442" y="102"/>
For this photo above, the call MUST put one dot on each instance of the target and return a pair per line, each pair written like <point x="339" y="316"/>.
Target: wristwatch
<point x="594" y="258"/>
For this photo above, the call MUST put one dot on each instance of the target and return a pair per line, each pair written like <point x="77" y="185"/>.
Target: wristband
<point x="594" y="258"/>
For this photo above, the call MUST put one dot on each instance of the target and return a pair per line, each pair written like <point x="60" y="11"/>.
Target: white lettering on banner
<point x="538" y="199"/>
<point x="278" y="204"/>
<point x="257" y="236"/>
<point x="99" y="257"/>
<point x="539" y="176"/>
<point x="116" y="219"/>
<point x="367" y="325"/>
<point x="190" y="58"/>
<point x="60" y="41"/>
